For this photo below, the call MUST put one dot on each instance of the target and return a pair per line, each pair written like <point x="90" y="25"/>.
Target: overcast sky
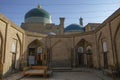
<point x="92" y="11"/>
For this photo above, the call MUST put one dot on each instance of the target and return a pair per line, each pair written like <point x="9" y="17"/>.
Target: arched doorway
<point x="18" y="55"/>
<point x="13" y="50"/>
<point x="80" y="56"/>
<point x="36" y="53"/>
<point x="16" y="51"/>
<point x="105" y="51"/>
<point x="83" y="53"/>
<point x="89" y="56"/>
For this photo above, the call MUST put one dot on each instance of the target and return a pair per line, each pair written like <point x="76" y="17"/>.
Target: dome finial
<point x="38" y="6"/>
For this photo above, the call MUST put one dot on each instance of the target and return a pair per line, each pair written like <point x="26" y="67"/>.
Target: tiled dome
<point x="38" y="15"/>
<point x="36" y="12"/>
<point x="74" y="27"/>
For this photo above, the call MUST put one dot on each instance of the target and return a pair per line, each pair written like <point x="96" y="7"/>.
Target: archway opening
<point x="89" y="56"/>
<point x="15" y="50"/>
<point x="80" y="55"/>
<point x="83" y="54"/>
<point x="105" y="51"/>
<point x="36" y="54"/>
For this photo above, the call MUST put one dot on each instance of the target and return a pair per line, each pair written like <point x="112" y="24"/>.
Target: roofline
<point x="75" y="24"/>
<point x="109" y="19"/>
<point x="35" y="34"/>
<point x="92" y="23"/>
<point x="8" y="21"/>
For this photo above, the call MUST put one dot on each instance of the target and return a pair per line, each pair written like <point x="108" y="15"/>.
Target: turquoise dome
<point x="74" y="27"/>
<point x="37" y="12"/>
<point x="38" y="15"/>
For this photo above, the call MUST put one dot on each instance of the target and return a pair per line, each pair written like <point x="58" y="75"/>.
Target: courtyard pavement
<point x="75" y="74"/>
<point x="66" y="76"/>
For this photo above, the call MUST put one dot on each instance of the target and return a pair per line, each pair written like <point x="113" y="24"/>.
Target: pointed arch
<point x="100" y="34"/>
<point x="37" y="42"/>
<point x="82" y="57"/>
<point x="99" y="41"/>
<point x="20" y="42"/>
<point x="117" y="29"/>
<point x="99" y="49"/>
<point x="1" y="54"/>
<point x="83" y="43"/>
<point x="1" y="48"/>
<point x="80" y="43"/>
<point x="89" y="49"/>
<point x="36" y="53"/>
<point x="116" y="45"/>
<point x="104" y="52"/>
<point x="19" y="51"/>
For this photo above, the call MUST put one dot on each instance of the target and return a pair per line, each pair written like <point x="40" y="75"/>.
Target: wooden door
<point x="31" y="56"/>
<point x="39" y="59"/>
<point x="81" y="59"/>
<point x="105" y="60"/>
<point x="89" y="60"/>
<point x="13" y="60"/>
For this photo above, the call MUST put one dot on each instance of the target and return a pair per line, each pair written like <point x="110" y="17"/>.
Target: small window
<point x="39" y="50"/>
<point x="92" y="27"/>
<point x="88" y="49"/>
<point x="104" y="46"/>
<point x="80" y="49"/>
<point x="13" y="46"/>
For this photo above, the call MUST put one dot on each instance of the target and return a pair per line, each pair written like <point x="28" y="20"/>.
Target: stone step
<point x="69" y="69"/>
<point x="62" y="69"/>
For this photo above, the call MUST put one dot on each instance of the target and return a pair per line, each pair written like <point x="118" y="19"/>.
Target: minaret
<point x="81" y="21"/>
<point x="62" y="19"/>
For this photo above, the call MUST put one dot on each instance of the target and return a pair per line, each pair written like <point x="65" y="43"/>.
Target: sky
<point x="92" y="11"/>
